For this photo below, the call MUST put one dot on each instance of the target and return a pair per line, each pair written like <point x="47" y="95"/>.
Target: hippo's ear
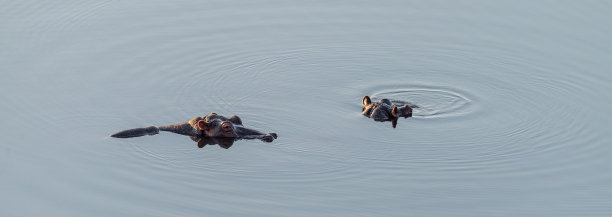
<point x="201" y="125"/>
<point x="394" y="111"/>
<point x="235" y="120"/>
<point x="366" y="100"/>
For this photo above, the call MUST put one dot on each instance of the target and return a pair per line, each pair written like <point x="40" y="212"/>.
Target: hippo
<point x="212" y="125"/>
<point x="384" y="110"/>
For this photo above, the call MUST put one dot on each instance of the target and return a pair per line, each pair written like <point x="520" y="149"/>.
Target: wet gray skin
<point x="384" y="110"/>
<point x="212" y="125"/>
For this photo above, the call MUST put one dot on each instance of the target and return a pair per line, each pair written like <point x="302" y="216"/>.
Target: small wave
<point x="428" y="102"/>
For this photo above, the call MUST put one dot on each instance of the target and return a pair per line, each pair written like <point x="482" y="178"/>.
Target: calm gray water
<point x="513" y="118"/>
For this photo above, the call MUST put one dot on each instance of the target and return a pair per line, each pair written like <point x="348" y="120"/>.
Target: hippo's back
<point x="136" y="132"/>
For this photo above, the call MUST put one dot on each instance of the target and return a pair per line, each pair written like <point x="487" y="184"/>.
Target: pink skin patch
<point x="227" y="127"/>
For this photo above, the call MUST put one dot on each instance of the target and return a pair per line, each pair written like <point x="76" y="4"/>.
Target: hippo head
<point x="384" y="110"/>
<point x="214" y="125"/>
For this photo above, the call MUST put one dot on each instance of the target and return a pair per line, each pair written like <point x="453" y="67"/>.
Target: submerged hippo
<point x="384" y="110"/>
<point x="212" y="125"/>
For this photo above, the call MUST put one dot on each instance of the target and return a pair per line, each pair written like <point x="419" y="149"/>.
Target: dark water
<point x="512" y="120"/>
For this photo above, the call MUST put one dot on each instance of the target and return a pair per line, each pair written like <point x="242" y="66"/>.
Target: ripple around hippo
<point x="428" y="102"/>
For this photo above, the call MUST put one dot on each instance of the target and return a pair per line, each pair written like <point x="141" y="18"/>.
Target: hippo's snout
<point x="227" y="127"/>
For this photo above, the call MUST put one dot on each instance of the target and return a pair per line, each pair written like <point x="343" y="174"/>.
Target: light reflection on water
<point x="510" y="118"/>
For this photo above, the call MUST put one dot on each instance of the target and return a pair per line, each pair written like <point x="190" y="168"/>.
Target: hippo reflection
<point x="384" y="110"/>
<point x="212" y="125"/>
<point x="223" y="142"/>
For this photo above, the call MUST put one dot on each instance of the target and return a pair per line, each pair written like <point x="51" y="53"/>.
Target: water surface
<point x="512" y="119"/>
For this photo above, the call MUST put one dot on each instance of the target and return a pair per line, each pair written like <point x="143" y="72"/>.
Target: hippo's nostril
<point x="226" y="126"/>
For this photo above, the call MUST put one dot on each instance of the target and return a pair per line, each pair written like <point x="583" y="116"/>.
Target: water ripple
<point x="427" y="102"/>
